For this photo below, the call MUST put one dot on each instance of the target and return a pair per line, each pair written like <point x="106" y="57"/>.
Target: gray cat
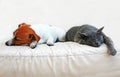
<point x="89" y="35"/>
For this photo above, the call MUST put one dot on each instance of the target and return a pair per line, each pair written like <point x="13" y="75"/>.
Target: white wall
<point x="63" y="13"/>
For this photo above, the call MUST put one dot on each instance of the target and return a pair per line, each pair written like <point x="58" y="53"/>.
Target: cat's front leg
<point x="110" y="45"/>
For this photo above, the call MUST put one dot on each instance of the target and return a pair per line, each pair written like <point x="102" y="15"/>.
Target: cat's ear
<point x="100" y="30"/>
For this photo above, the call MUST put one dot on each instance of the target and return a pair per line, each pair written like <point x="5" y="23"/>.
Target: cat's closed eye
<point x="84" y="36"/>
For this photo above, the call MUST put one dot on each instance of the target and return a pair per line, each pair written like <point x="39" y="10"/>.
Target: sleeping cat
<point x="89" y="35"/>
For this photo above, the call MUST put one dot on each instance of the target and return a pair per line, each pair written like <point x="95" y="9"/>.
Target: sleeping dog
<point x="30" y="35"/>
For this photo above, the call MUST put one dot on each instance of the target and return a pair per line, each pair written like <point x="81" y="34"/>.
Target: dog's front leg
<point x="51" y="41"/>
<point x="42" y="41"/>
<point x="33" y="44"/>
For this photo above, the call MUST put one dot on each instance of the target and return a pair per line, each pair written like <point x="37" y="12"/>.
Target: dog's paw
<point x="33" y="45"/>
<point x="50" y="44"/>
<point x="113" y="52"/>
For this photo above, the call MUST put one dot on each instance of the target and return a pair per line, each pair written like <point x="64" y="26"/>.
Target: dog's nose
<point x="6" y="43"/>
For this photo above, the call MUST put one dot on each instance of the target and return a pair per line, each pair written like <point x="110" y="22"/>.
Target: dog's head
<point x="24" y="35"/>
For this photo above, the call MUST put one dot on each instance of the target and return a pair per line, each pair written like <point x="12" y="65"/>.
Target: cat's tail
<point x="110" y="45"/>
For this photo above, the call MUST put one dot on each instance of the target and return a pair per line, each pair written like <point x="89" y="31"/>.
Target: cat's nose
<point x="98" y="44"/>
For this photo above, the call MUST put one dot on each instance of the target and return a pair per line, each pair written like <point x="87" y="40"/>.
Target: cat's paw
<point x="113" y="52"/>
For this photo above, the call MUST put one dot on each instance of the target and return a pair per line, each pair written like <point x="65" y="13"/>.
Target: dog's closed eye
<point x="17" y="39"/>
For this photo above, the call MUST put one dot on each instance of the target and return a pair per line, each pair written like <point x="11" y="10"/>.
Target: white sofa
<point x="64" y="59"/>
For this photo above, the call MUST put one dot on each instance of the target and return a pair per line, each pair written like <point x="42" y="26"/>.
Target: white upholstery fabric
<point x="59" y="49"/>
<point x="62" y="60"/>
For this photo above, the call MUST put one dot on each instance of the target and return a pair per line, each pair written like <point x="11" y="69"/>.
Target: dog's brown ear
<point x="23" y="24"/>
<point x="34" y="37"/>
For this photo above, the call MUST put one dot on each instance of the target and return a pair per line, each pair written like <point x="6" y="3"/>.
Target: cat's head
<point x="94" y="38"/>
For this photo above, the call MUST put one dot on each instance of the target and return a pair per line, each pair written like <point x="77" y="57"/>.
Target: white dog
<point x="40" y="33"/>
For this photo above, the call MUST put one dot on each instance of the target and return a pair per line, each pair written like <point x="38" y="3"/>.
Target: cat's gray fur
<point x="90" y="35"/>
